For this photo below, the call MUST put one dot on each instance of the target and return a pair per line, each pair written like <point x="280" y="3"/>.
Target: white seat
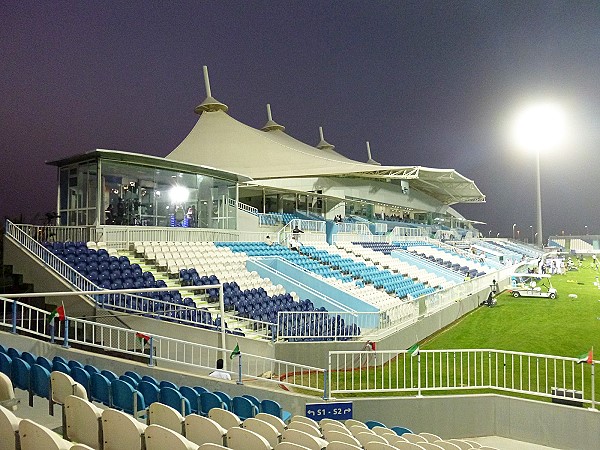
<point x="9" y="428"/>
<point x="202" y="430"/>
<point x="62" y="385"/>
<point x="33" y="436"/>
<point x="83" y="422"/>
<point x="290" y="446"/>
<point x="429" y="446"/>
<point x="365" y="438"/>
<point x="273" y="420"/>
<point x="224" y="418"/>
<point x="414" y="438"/>
<point x="242" y="439"/>
<point x="430" y="437"/>
<point x="382" y="431"/>
<point x="304" y="439"/>
<point x="333" y="435"/>
<point x="306" y="427"/>
<point x="161" y="438"/>
<point x="334" y="426"/>
<point x="305" y="419"/>
<point x="7" y="393"/>
<point x="378" y="446"/>
<point x="121" y="431"/>
<point x="447" y="445"/>
<point x="463" y="445"/>
<point x="165" y="416"/>
<point x="266" y="430"/>
<point x="337" y="445"/>
<point x="407" y="446"/>
<point x="80" y="447"/>
<point x="355" y="429"/>
<point x="211" y="446"/>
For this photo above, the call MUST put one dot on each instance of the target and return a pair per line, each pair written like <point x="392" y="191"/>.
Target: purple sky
<point x="430" y="83"/>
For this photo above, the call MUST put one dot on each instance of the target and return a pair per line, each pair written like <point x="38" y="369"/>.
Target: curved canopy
<point x="220" y="141"/>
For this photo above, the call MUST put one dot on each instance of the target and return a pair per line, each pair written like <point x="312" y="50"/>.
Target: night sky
<point x="432" y="83"/>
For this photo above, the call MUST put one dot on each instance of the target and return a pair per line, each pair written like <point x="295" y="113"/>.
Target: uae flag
<point x="235" y="352"/>
<point x="587" y="358"/>
<point x="60" y="312"/>
<point x="414" y="350"/>
<point x="142" y="337"/>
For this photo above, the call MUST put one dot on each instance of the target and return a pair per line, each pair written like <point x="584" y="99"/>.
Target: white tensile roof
<point x="220" y="141"/>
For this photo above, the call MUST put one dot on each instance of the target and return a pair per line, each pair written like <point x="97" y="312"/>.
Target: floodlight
<point x="539" y="127"/>
<point x="179" y="194"/>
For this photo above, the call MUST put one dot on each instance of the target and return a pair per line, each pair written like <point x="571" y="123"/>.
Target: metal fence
<point x="22" y="318"/>
<point x="461" y="371"/>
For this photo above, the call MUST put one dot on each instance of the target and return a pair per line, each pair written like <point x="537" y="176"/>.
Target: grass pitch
<point x="565" y="326"/>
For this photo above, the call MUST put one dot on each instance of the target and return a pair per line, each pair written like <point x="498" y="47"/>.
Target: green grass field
<point x="563" y="327"/>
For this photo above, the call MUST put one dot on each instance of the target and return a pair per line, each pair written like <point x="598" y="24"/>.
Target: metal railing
<point x="57" y="233"/>
<point x="20" y="317"/>
<point x="242" y="206"/>
<point x="360" y="372"/>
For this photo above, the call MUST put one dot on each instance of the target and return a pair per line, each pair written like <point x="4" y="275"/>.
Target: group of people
<point x="338" y="219"/>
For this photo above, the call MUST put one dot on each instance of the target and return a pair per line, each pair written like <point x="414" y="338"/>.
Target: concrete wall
<point x="461" y="416"/>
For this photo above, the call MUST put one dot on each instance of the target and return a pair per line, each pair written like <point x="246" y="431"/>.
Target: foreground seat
<point x="241" y="439"/>
<point x="121" y="431"/>
<point x="35" y="437"/>
<point x="161" y="438"/>
<point x="165" y="416"/>
<point x="9" y="429"/>
<point x="84" y="422"/>
<point x="202" y="430"/>
<point x="7" y="393"/>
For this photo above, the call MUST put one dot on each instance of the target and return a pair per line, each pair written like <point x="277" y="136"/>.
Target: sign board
<point x="336" y="411"/>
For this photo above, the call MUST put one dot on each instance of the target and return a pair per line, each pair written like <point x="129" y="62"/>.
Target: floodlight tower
<point x="539" y="127"/>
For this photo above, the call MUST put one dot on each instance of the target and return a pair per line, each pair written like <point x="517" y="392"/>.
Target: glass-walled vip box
<point x="130" y="194"/>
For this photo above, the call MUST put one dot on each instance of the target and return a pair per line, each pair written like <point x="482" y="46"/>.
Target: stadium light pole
<point x="586" y="230"/>
<point x="531" y="227"/>
<point x="514" y="225"/>
<point x="539" y="127"/>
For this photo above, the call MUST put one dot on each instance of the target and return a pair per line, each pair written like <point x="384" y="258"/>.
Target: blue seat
<point x="13" y="353"/>
<point x="192" y="396"/>
<point x="82" y="377"/>
<point x="39" y="383"/>
<point x="100" y="389"/>
<point x="169" y="384"/>
<point x="244" y="408"/>
<point x="133" y="375"/>
<point x="127" y="379"/>
<point x="59" y="366"/>
<point x="44" y="362"/>
<point x="5" y="364"/>
<point x="208" y="401"/>
<point x="20" y="373"/>
<point x="29" y="358"/>
<point x="91" y="369"/>
<point x="123" y="395"/>
<point x="255" y="401"/>
<point x="110" y="376"/>
<point x="149" y="390"/>
<point x="225" y="398"/>
<point x="74" y="363"/>
<point x="400" y="430"/>
<point x="61" y="359"/>
<point x="173" y="398"/>
<point x="150" y="379"/>
<point x="2" y="349"/>
<point x="373" y="423"/>
<point x="272" y="407"/>
<point x="200" y="389"/>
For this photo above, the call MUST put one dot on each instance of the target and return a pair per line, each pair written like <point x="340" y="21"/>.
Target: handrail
<point x="123" y="341"/>
<point x="242" y="206"/>
<point x="545" y="376"/>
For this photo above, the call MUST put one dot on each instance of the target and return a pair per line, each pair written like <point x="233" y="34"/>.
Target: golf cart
<point x="532" y="285"/>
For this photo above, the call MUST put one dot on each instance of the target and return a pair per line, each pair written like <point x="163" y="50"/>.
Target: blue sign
<point x="336" y="411"/>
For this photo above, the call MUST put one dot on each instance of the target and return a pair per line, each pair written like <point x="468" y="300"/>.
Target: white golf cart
<point x="532" y="285"/>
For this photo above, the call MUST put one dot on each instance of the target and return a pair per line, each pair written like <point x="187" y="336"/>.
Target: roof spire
<point x="323" y="144"/>
<point x="371" y="160"/>
<point x="271" y="125"/>
<point x="209" y="104"/>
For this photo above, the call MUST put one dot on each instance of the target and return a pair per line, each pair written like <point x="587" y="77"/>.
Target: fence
<point x="453" y="371"/>
<point x="18" y="317"/>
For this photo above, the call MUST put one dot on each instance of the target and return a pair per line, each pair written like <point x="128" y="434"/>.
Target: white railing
<point x="313" y="226"/>
<point x="56" y="232"/>
<point x="381" y="227"/>
<point x="243" y="206"/>
<point x="367" y="371"/>
<point x="327" y="324"/>
<point x="356" y="228"/>
<point x="123" y="341"/>
<point x="122" y="237"/>
<point x="398" y="233"/>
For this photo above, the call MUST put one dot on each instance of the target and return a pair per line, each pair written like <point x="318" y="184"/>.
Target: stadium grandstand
<point x="308" y="273"/>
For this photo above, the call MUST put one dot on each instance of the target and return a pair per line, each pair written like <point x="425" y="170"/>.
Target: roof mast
<point x="271" y="125"/>
<point x="323" y="144"/>
<point x="209" y="104"/>
<point x="371" y="160"/>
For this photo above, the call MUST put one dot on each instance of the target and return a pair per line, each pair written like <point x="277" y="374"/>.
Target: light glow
<point x="540" y="127"/>
<point x="179" y="194"/>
